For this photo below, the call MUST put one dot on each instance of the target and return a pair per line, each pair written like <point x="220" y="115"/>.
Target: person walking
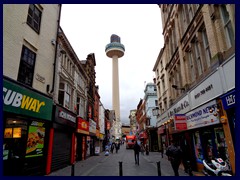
<point x="147" y="149"/>
<point x="112" y="147"/>
<point x="142" y="148"/>
<point x="117" y="147"/>
<point x="174" y="154"/>
<point x="136" y="149"/>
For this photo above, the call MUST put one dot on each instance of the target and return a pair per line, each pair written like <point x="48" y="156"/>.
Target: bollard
<point x="72" y="169"/>
<point x="189" y="168"/>
<point x="158" y="168"/>
<point x="120" y="168"/>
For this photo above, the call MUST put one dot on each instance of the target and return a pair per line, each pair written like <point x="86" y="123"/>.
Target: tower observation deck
<point x="115" y="48"/>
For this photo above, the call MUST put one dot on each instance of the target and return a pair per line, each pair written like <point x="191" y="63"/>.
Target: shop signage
<point x="201" y="116"/>
<point x="207" y="90"/>
<point x="228" y="100"/>
<point x="180" y="122"/>
<point x="92" y="126"/>
<point x="35" y="142"/>
<point x="66" y="116"/>
<point x="180" y="107"/>
<point x="82" y="126"/>
<point x="63" y="116"/>
<point x="20" y="100"/>
<point x="161" y="130"/>
<point x="108" y="126"/>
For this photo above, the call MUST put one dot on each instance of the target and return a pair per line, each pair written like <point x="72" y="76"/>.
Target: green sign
<point x="19" y="100"/>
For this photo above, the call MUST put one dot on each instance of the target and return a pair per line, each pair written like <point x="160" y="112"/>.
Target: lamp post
<point x="156" y="111"/>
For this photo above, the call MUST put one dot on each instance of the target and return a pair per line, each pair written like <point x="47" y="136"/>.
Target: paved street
<point x="109" y="165"/>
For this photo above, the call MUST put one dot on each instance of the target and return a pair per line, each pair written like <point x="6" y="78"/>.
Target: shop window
<point x="198" y="146"/>
<point x="221" y="143"/>
<point x="15" y="135"/>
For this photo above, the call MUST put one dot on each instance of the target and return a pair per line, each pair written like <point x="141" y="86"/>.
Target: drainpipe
<point x="56" y="49"/>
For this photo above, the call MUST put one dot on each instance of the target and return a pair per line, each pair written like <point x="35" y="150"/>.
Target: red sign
<point x="82" y="126"/>
<point x="108" y="126"/>
<point x="161" y="130"/>
<point x="180" y="122"/>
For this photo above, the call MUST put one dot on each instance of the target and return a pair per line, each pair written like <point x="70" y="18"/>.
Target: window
<point x="206" y="47"/>
<point x="191" y="65"/>
<point x="26" y="68"/>
<point x="161" y="65"/>
<point x="67" y="97"/>
<point x="156" y="102"/>
<point x="34" y="17"/>
<point x="64" y="95"/>
<point x="78" y="105"/>
<point x="61" y="94"/>
<point x="227" y="26"/>
<point x="198" y="57"/>
<point x="82" y="107"/>
<point x="163" y="85"/>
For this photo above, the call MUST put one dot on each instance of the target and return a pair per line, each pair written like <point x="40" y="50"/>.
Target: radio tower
<point x="115" y="50"/>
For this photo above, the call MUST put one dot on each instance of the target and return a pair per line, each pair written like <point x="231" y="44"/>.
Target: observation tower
<point x="115" y="50"/>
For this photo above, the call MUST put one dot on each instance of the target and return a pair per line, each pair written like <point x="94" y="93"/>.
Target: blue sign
<point x="228" y="100"/>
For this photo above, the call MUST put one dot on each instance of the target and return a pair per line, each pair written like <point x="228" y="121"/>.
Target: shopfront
<point x="26" y="121"/>
<point x="82" y="133"/>
<point x="228" y="117"/>
<point x="63" y="144"/>
<point x="207" y="133"/>
<point x="91" y="140"/>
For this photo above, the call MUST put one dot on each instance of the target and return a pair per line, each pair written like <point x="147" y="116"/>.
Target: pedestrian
<point x="147" y="149"/>
<point x="174" y="154"/>
<point x="112" y="147"/>
<point x="185" y="154"/>
<point x="117" y="147"/>
<point x="142" y="148"/>
<point x="136" y="149"/>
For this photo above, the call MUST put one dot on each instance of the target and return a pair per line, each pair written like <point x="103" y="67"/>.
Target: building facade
<point x="195" y="78"/>
<point x="151" y="103"/>
<point x="29" y="48"/>
<point x="133" y="122"/>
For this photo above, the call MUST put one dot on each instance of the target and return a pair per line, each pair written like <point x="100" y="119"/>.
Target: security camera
<point x="53" y="42"/>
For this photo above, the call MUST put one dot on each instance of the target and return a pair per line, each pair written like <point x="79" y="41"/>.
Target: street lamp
<point x="156" y="111"/>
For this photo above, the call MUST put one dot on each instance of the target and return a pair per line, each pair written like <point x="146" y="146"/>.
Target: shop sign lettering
<point x="15" y="99"/>
<point x="20" y="100"/>
<point x="228" y="100"/>
<point x="66" y="116"/>
<point x="202" y="116"/>
<point x="203" y="91"/>
<point x="180" y="107"/>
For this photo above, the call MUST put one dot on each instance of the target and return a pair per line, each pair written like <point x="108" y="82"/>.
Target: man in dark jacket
<point x="174" y="154"/>
<point x="136" y="149"/>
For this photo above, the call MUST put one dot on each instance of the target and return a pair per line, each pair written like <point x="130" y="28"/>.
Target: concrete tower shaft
<point x="115" y="50"/>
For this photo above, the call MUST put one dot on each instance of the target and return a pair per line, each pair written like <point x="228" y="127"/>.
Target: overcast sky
<point x="88" y="28"/>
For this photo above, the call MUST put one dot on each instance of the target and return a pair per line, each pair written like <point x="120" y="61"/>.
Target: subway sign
<point x="19" y="100"/>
